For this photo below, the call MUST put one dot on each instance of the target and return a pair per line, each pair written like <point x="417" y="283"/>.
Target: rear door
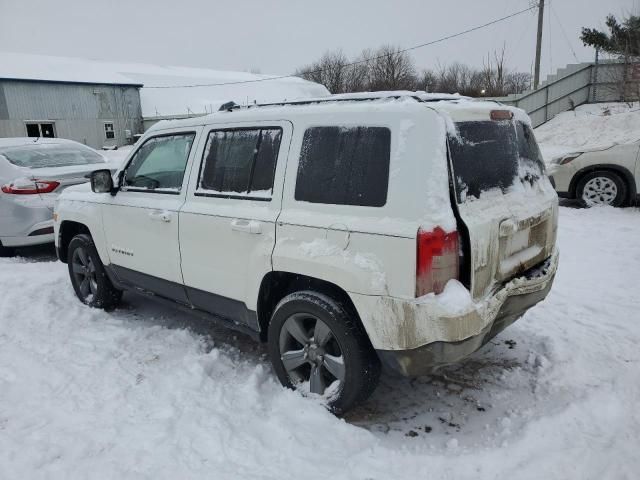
<point x="504" y="199"/>
<point x="227" y="225"/>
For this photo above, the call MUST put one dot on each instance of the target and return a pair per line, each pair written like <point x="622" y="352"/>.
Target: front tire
<point x="88" y="276"/>
<point x="602" y="187"/>
<point x="318" y="348"/>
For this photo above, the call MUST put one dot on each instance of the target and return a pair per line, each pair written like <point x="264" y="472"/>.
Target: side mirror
<point x="101" y="181"/>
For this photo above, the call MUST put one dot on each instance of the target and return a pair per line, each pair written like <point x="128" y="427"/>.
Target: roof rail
<point x="355" y="97"/>
<point x="311" y="101"/>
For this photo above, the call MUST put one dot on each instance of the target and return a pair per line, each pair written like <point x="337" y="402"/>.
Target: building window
<point x="109" y="133"/>
<point x="36" y="129"/>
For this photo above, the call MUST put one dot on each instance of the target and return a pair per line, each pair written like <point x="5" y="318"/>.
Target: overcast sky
<point x="278" y="36"/>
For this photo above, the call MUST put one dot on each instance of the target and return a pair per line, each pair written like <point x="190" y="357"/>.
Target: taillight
<point x="437" y="260"/>
<point x="30" y="187"/>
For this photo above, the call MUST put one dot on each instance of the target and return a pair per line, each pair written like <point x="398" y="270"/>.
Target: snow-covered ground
<point x="147" y="392"/>
<point x="589" y="127"/>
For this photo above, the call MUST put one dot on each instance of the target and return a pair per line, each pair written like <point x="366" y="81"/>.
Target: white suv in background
<point x="599" y="176"/>
<point x="396" y="229"/>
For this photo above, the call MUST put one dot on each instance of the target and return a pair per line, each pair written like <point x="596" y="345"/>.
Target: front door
<point x="141" y="220"/>
<point x="227" y="224"/>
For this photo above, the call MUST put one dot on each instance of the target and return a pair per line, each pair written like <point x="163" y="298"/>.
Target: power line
<point x="564" y="34"/>
<point x="415" y="47"/>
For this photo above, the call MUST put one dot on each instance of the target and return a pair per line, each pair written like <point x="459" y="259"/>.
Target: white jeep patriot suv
<point x="351" y="232"/>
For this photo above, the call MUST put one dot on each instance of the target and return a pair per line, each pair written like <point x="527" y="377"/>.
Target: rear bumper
<point x="424" y="360"/>
<point x="414" y="337"/>
<point x="38" y="234"/>
<point x="23" y="219"/>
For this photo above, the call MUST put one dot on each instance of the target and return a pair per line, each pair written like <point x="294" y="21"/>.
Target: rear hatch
<point x="503" y="196"/>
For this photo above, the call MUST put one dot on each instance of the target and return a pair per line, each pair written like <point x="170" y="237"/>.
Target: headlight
<point x="566" y="159"/>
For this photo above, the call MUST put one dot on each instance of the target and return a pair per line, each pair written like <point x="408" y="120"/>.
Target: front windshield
<point x="44" y="155"/>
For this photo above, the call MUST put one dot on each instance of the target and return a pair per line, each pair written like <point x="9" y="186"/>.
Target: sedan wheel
<point x="602" y="187"/>
<point x="599" y="191"/>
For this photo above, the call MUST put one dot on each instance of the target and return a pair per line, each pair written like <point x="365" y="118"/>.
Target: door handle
<point x="162" y="216"/>
<point x="246" y="226"/>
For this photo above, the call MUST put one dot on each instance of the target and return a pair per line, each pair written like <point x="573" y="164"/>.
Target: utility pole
<point x="536" y="76"/>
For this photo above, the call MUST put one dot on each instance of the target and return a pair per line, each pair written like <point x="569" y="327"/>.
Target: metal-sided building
<point x="93" y="105"/>
<point x="105" y="104"/>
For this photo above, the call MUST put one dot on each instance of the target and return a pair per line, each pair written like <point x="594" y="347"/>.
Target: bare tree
<point x="392" y="69"/>
<point x="517" y="82"/>
<point x="427" y="81"/>
<point x="329" y="71"/>
<point x="357" y="75"/>
<point x="388" y="68"/>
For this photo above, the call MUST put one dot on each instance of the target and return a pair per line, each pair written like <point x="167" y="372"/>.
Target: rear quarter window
<point x="344" y="166"/>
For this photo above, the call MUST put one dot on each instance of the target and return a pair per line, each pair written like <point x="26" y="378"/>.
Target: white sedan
<point x="606" y="176"/>
<point x="33" y="172"/>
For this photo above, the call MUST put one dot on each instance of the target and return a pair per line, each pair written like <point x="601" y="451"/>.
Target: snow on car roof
<point x="19" y="141"/>
<point x="453" y="105"/>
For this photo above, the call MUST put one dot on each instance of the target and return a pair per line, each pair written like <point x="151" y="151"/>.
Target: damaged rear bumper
<point x="417" y="337"/>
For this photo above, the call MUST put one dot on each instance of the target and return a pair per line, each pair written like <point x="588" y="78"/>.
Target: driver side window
<point x="160" y="163"/>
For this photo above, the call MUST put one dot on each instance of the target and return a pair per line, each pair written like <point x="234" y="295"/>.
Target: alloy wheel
<point x="599" y="191"/>
<point x="310" y="353"/>
<point x="84" y="272"/>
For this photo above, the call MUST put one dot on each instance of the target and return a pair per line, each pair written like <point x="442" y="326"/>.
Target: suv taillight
<point x="437" y="260"/>
<point x="23" y="187"/>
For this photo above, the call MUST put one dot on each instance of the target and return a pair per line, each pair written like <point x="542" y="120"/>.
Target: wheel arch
<point x="627" y="176"/>
<point x="69" y="229"/>
<point x="276" y="285"/>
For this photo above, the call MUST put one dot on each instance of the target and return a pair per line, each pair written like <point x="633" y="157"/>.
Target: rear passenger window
<point x="240" y="161"/>
<point x="344" y="166"/>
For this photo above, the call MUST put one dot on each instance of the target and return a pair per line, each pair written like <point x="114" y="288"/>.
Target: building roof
<point x="181" y="98"/>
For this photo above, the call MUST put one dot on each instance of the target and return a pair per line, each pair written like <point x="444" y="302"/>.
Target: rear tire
<point x="88" y="276"/>
<point x="602" y="187"/>
<point x="326" y="350"/>
<point x="7" y="251"/>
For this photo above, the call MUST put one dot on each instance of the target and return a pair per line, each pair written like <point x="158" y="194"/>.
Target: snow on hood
<point x="589" y="128"/>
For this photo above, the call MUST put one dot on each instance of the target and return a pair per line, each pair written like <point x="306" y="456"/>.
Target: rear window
<point x="344" y="166"/>
<point x="493" y="154"/>
<point x="50" y="155"/>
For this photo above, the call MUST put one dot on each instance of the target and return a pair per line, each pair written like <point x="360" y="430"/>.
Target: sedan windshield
<point x="50" y="155"/>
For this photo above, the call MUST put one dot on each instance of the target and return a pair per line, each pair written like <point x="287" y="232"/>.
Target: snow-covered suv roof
<point x="453" y="104"/>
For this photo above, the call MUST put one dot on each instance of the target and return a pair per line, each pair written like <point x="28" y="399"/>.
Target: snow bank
<point x="589" y="127"/>
<point x="147" y="392"/>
